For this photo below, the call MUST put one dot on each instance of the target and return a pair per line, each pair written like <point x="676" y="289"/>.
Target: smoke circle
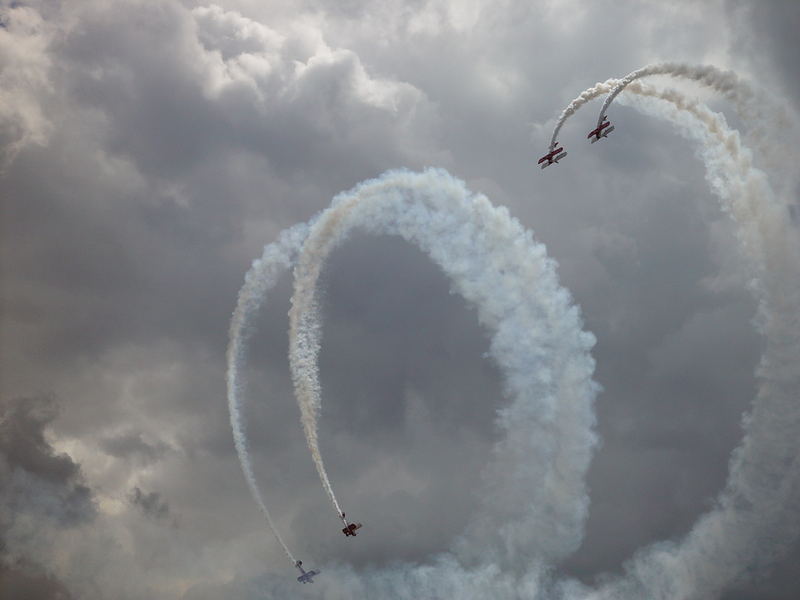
<point x="534" y="498"/>
<point x="531" y="507"/>
<point x="754" y="515"/>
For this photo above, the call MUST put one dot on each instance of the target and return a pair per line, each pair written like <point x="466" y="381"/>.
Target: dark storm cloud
<point x="36" y="483"/>
<point x="28" y="457"/>
<point x="27" y="581"/>
<point x="765" y="34"/>
<point x="151" y="504"/>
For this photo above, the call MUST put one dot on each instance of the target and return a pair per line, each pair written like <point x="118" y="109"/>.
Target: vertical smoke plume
<point x="261" y="277"/>
<point x="304" y="345"/>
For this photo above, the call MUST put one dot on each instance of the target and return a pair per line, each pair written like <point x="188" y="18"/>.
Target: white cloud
<point x="24" y="80"/>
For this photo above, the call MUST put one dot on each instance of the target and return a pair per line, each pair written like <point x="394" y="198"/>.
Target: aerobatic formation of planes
<point x="557" y="153"/>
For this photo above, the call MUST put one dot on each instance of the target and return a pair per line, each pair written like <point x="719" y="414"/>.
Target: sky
<point x="150" y="149"/>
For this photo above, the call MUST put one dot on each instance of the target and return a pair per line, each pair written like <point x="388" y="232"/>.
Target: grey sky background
<point x="150" y="150"/>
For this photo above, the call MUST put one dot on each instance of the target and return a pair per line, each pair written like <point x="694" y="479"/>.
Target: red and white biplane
<point x="552" y="157"/>
<point x="603" y="129"/>
<point x="349" y="529"/>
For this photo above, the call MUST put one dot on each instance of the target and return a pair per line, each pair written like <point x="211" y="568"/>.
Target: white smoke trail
<point x="534" y="511"/>
<point x="259" y="280"/>
<point x="304" y="321"/>
<point x="751" y="105"/>
<point x="726" y="83"/>
<point x="304" y="345"/>
<point x="586" y="96"/>
<point x="536" y="340"/>
<point x="770" y="119"/>
<point x="725" y="541"/>
<point x="756" y="515"/>
<point x="771" y="131"/>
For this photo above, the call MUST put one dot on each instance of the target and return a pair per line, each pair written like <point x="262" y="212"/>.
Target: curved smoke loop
<point x="487" y="251"/>
<point x="536" y="340"/>
<point x="769" y="118"/>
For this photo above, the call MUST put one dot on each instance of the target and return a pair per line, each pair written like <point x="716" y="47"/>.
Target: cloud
<point x="39" y="481"/>
<point x="25" y="581"/>
<point x="132" y="444"/>
<point x="151" y="505"/>
<point x="764" y="37"/>
<point x="40" y="489"/>
<point x="25" y="64"/>
<point x="151" y="150"/>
